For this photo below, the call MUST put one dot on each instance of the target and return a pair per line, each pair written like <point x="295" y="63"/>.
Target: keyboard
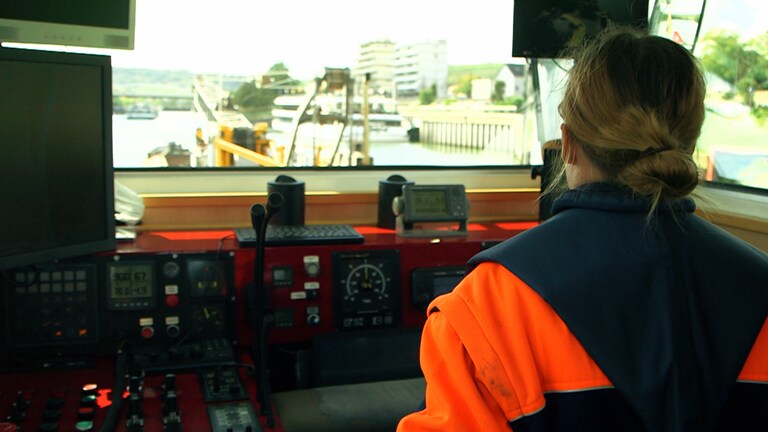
<point x="291" y="235"/>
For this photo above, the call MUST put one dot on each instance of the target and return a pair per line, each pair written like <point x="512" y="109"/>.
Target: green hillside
<point x="485" y="70"/>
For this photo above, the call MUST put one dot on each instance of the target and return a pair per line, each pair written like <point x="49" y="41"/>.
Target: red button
<point x="172" y="300"/>
<point x="147" y="332"/>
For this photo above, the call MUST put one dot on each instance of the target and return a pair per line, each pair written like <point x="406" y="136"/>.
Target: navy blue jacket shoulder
<point x="669" y="307"/>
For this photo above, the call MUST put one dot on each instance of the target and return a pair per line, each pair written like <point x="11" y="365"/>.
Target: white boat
<point x="384" y="122"/>
<point x="142" y="112"/>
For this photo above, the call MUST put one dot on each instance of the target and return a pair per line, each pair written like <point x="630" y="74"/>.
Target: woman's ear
<point x="569" y="152"/>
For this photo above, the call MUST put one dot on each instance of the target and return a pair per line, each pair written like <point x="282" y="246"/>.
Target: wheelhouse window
<point x="244" y="85"/>
<point x="330" y="84"/>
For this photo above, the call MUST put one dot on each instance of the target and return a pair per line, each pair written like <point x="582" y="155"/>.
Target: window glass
<point x="732" y="44"/>
<point x="441" y="86"/>
<point x="224" y="84"/>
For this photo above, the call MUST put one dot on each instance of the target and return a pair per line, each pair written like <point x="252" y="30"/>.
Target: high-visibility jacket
<point x="601" y="319"/>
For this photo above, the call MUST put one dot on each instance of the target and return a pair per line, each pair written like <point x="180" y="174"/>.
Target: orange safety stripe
<point x="756" y="367"/>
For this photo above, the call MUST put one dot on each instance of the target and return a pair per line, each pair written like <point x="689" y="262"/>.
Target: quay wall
<point x="470" y="128"/>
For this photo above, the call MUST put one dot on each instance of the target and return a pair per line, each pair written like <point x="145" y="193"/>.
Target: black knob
<point x="48" y="427"/>
<point x="21" y="403"/>
<point x="51" y="415"/>
<point x="169" y="383"/>
<point x="54" y="403"/>
<point x="88" y="401"/>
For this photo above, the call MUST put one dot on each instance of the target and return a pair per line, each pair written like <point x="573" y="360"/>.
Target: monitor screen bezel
<point x="48" y="32"/>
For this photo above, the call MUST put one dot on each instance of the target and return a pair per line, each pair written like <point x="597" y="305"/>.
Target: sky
<point x="748" y="17"/>
<point x="249" y="36"/>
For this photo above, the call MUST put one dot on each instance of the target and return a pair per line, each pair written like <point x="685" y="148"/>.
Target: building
<point x="376" y="58"/>
<point x="419" y="66"/>
<point x="513" y="75"/>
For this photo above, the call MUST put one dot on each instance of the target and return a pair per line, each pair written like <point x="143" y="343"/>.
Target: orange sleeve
<point x="454" y="400"/>
<point x="492" y="351"/>
<point x="756" y="366"/>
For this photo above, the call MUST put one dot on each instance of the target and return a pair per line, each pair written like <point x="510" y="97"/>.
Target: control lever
<point x="134" y="421"/>
<point x="260" y="217"/>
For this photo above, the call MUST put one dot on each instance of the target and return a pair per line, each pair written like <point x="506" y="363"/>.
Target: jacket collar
<point x="615" y="197"/>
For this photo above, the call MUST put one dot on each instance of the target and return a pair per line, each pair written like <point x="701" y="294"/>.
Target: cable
<point x="260" y="217"/>
<point x="117" y="389"/>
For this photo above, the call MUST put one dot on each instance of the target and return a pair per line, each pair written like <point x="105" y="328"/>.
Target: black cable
<point x="261" y="317"/>
<point x="117" y="389"/>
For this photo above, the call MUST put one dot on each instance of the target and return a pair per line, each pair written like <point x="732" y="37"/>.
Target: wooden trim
<point x="217" y="211"/>
<point x="232" y="210"/>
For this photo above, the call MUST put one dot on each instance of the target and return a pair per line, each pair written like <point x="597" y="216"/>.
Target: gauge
<point x="366" y="283"/>
<point x="208" y="320"/>
<point x="206" y="278"/>
<point x="366" y="289"/>
<point x="171" y="269"/>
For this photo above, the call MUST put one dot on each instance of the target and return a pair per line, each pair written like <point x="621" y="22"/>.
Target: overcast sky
<point x="249" y="36"/>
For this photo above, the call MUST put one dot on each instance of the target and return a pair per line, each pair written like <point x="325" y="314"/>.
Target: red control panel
<point x="167" y="323"/>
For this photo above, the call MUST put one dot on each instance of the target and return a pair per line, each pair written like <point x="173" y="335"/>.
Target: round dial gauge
<point x="208" y="319"/>
<point x="366" y="290"/>
<point x="366" y="283"/>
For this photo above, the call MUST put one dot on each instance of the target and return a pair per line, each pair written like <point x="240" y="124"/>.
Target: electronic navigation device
<point x="431" y="204"/>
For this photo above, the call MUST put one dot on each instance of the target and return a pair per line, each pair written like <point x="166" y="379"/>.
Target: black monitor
<point x="57" y="188"/>
<point x="546" y="28"/>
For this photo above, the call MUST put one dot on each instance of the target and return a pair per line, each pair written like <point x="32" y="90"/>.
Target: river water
<point x="133" y="140"/>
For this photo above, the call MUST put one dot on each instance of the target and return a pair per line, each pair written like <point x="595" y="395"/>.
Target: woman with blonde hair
<point x="625" y="311"/>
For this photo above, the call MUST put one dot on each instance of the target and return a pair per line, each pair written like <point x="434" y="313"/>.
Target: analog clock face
<point x="366" y="288"/>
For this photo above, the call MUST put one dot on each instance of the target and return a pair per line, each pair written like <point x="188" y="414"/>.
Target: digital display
<point x="430" y="202"/>
<point x="130" y="281"/>
<point x="445" y="284"/>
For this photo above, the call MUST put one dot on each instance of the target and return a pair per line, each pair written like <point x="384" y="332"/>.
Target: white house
<point x="513" y="75"/>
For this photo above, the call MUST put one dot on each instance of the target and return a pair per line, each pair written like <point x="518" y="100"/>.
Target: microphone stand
<point x="260" y="218"/>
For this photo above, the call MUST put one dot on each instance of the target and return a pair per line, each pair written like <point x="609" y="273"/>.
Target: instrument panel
<point x="87" y="307"/>
<point x="366" y="286"/>
<point x="336" y="314"/>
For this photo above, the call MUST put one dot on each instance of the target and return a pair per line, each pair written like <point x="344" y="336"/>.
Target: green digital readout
<point x="131" y="285"/>
<point x="430" y="202"/>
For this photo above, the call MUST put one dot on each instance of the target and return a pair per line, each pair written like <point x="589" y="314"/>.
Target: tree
<point x="499" y="88"/>
<point x="255" y="100"/>
<point x="742" y="64"/>
<point x="464" y="85"/>
<point x="428" y="95"/>
<point x="277" y="76"/>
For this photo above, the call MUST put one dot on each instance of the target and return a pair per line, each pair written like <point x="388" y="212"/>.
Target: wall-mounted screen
<point x="87" y="23"/>
<point x="545" y="28"/>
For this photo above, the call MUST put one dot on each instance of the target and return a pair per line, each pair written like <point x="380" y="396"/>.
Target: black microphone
<point x="257" y="217"/>
<point x="260" y="219"/>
